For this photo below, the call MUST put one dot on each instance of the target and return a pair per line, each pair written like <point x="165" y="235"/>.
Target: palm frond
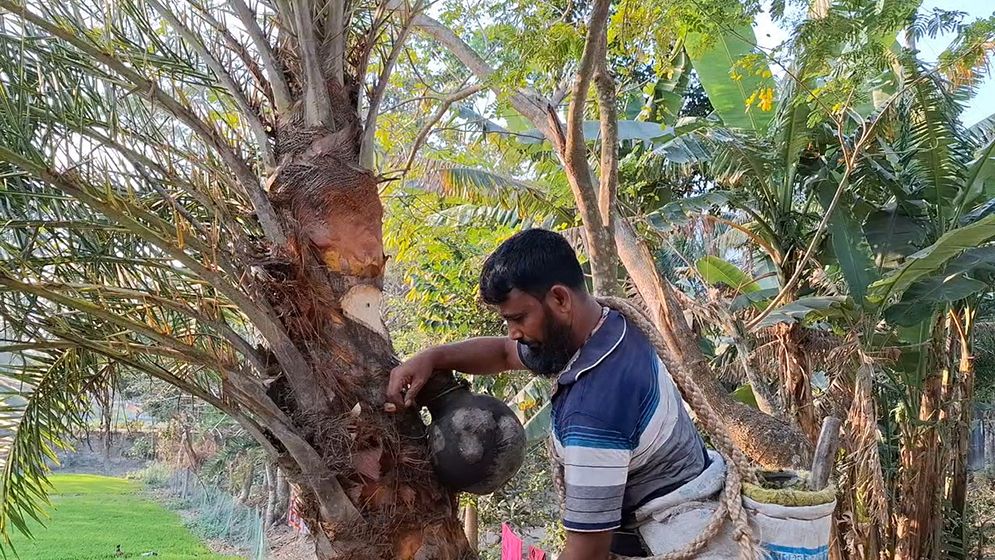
<point x="529" y="201"/>
<point x="44" y="396"/>
<point x="934" y="149"/>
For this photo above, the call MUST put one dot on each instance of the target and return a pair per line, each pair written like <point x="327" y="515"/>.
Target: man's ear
<point x="561" y="298"/>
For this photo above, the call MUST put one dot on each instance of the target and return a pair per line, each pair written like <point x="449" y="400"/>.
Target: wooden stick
<point x="825" y="453"/>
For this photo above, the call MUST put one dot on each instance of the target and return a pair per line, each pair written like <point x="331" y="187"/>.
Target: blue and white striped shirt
<point x="620" y="428"/>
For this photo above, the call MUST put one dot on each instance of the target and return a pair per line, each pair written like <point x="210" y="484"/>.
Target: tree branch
<point x="531" y="106"/>
<point x="601" y="247"/>
<point x="370" y="125"/>
<point x="191" y="353"/>
<point x="608" y="117"/>
<point x="274" y="70"/>
<point x="235" y="46"/>
<point x="243" y="173"/>
<point x="255" y="123"/>
<point x="426" y="129"/>
<point x="750" y="429"/>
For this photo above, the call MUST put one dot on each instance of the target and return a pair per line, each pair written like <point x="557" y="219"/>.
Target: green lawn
<point x="94" y="514"/>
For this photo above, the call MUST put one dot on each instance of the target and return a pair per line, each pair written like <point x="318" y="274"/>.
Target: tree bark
<point x="282" y="497"/>
<point x="106" y="416"/>
<point x="919" y="482"/>
<point x="572" y="148"/>
<point x="796" y="379"/>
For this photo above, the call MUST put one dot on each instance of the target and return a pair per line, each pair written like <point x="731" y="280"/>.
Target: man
<point x="620" y="430"/>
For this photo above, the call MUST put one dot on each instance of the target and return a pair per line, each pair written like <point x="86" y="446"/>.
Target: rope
<point x="737" y="465"/>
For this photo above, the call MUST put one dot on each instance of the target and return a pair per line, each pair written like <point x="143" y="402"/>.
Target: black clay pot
<point x="476" y="443"/>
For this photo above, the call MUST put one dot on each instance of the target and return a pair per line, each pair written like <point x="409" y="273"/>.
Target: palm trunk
<point x="362" y="473"/>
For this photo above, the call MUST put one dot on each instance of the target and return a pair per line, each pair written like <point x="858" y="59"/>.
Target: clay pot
<point x="476" y="443"/>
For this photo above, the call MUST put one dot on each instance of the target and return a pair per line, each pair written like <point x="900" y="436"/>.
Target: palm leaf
<point x="849" y="246"/>
<point x="937" y="153"/>
<point x="980" y="179"/>
<point x="627" y="131"/>
<point x="45" y="396"/>
<point x="486" y="188"/>
<point x="715" y="271"/>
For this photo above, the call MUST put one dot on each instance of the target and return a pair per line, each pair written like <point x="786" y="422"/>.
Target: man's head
<point x="537" y="284"/>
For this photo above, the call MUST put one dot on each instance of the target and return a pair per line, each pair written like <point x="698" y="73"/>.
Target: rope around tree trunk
<point x="737" y="465"/>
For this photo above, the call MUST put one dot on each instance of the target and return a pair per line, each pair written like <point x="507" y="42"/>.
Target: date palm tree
<point x="188" y="192"/>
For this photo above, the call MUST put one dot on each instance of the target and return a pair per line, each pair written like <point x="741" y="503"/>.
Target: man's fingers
<point x="394" y="388"/>
<point x="412" y="392"/>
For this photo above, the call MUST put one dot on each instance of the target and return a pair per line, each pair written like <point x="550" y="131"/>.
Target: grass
<point x="94" y="514"/>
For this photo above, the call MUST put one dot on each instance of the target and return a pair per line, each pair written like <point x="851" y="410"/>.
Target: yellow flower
<point x="766" y="99"/>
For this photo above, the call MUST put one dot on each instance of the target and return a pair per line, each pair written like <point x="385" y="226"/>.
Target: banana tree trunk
<point x="964" y="413"/>
<point x="920" y="479"/>
<point x="796" y="379"/>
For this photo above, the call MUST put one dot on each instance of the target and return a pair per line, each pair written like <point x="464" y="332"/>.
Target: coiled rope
<point x="737" y="465"/>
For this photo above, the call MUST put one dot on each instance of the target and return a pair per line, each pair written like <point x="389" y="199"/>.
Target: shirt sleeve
<point x="595" y="469"/>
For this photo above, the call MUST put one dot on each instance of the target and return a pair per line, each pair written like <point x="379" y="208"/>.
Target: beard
<point x="549" y="357"/>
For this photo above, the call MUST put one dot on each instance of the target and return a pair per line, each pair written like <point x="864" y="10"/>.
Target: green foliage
<point x="932" y="258"/>
<point x="94" y="514"/>
<point x="738" y="82"/>
<point x="45" y="401"/>
<point x="716" y="271"/>
<point x="806" y="308"/>
<point x="850" y="247"/>
<point x="154" y="476"/>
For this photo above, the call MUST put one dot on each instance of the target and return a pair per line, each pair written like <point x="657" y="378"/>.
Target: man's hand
<point x="587" y="546"/>
<point x="476" y="356"/>
<point x="407" y="379"/>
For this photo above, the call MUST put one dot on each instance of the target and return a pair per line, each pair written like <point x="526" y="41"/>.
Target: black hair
<point x="532" y="261"/>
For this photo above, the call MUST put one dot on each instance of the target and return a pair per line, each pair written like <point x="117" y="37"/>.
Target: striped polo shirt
<point x="620" y="428"/>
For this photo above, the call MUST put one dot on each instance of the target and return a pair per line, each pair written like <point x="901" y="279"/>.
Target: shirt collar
<point x="605" y="339"/>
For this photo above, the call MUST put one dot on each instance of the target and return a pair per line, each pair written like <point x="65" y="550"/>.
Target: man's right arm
<point x="476" y="356"/>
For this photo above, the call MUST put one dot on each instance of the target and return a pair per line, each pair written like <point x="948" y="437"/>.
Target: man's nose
<point x="515" y="333"/>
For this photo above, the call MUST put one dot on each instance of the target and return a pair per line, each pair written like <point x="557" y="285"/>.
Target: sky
<point x="769" y="35"/>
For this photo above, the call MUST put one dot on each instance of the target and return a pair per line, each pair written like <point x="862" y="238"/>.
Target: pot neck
<point x="442" y="389"/>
